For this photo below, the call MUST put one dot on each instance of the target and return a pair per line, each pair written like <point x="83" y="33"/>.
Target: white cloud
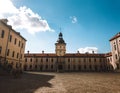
<point x="23" y="18"/>
<point x="7" y="7"/>
<point x="73" y="19"/>
<point x="88" y="50"/>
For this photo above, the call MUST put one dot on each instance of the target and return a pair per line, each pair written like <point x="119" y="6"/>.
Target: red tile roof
<point x="116" y="36"/>
<point x="108" y="54"/>
<point x="40" y="55"/>
<point x="66" y="55"/>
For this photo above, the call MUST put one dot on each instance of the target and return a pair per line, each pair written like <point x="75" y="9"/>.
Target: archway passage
<point x="60" y="67"/>
<point x="25" y="67"/>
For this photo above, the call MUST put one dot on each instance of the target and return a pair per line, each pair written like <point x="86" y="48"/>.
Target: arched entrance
<point x="25" y="67"/>
<point x="60" y="67"/>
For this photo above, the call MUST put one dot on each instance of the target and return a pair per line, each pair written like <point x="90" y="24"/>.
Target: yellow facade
<point x="61" y="61"/>
<point x="68" y="62"/>
<point x="12" y="46"/>
<point x="115" y="47"/>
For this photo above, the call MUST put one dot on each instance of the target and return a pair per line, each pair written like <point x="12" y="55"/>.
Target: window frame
<point x="2" y="34"/>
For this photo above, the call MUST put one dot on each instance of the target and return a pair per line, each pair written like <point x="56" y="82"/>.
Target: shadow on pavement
<point x="28" y="83"/>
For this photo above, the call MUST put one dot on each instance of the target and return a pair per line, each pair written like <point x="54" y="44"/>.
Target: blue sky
<point x="84" y="23"/>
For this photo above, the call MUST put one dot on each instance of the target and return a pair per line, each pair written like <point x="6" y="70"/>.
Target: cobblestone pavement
<point x="47" y="82"/>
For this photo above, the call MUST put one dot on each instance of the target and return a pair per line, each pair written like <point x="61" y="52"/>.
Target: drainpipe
<point x="7" y="45"/>
<point x="20" y="53"/>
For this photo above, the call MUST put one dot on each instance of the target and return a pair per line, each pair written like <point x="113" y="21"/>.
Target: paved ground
<point x="35" y="82"/>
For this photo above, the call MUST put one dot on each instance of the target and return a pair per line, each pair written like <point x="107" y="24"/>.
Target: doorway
<point x="60" y="67"/>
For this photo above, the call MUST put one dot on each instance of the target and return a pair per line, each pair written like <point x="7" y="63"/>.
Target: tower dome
<point x="60" y="39"/>
<point x="60" y="34"/>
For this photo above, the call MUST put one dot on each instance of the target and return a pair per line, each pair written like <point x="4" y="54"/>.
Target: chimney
<point x="28" y="51"/>
<point x="78" y="52"/>
<point x="93" y="52"/>
<point x="43" y="52"/>
<point x="4" y="20"/>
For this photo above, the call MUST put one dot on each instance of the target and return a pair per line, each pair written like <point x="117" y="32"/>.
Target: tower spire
<point x="60" y="29"/>
<point x="60" y="45"/>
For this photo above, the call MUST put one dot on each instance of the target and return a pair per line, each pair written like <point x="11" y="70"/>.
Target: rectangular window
<point x="8" y="51"/>
<point x="47" y="60"/>
<point x="22" y="45"/>
<point x="36" y="60"/>
<point x="0" y="49"/>
<point x="2" y="34"/>
<point x="115" y="47"/>
<point x="25" y="59"/>
<point x="13" y="54"/>
<point x="68" y="60"/>
<point x="17" y="55"/>
<point x="52" y="60"/>
<point x="21" y="56"/>
<point x="15" y="41"/>
<point x="116" y="56"/>
<point x="89" y="60"/>
<point x="84" y="60"/>
<point x="110" y="59"/>
<point x="19" y="44"/>
<point x="95" y="59"/>
<point x="10" y="38"/>
<point x="31" y="60"/>
<point x="41" y="60"/>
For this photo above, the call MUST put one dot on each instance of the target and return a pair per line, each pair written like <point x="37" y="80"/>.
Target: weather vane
<point x="60" y="29"/>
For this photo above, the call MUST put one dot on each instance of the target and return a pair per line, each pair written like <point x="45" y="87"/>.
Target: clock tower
<point x="60" y="46"/>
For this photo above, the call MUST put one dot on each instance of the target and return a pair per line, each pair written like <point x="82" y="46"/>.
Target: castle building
<point x="115" y="47"/>
<point x="60" y="61"/>
<point x="12" y="46"/>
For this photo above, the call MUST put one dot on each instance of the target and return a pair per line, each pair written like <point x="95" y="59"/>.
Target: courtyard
<point x="48" y="82"/>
